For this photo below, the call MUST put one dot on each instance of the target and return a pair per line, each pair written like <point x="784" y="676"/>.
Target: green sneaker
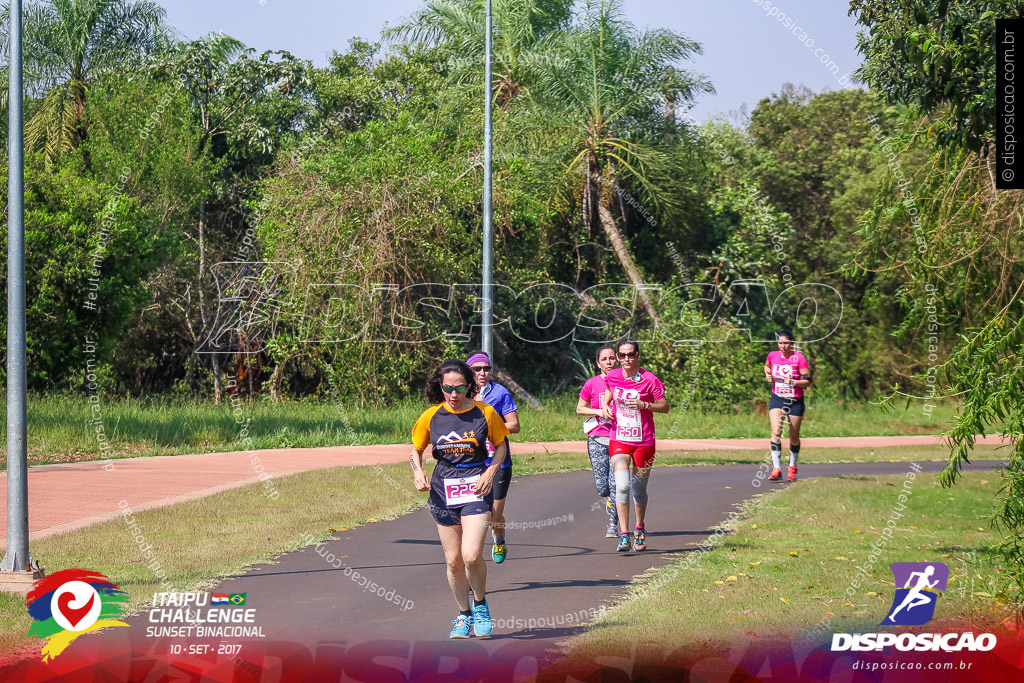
<point x="639" y="540"/>
<point x="623" y="543"/>
<point x="498" y="552"/>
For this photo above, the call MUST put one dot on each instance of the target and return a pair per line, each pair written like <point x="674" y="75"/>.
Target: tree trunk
<point x="670" y="120"/>
<point x="274" y="381"/>
<point x="622" y="254"/>
<point x="190" y="375"/>
<point x="514" y="387"/>
<point x="670" y="106"/>
<point x="670" y="111"/>
<point x="218" y="388"/>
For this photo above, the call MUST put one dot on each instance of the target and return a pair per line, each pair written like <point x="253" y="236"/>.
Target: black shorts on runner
<point x="502" y="480"/>
<point x="444" y="515"/>
<point x="789" y="406"/>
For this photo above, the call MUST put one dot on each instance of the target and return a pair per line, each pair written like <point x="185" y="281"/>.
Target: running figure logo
<point x="914" y="603"/>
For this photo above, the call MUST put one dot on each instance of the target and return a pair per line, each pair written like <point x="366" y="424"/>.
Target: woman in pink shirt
<point x="789" y="373"/>
<point x="599" y="433"/>
<point x="632" y="397"/>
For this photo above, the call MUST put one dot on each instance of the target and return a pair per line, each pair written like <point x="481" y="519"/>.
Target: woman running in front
<point x="460" y="488"/>
<point x="599" y="432"/>
<point x="499" y="398"/>
<point x="631" y="398"/>
<point x="789" y="372"/>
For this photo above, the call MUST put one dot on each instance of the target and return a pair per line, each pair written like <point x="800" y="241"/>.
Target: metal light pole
<point x="17" y="566"/>
<point x="486" y="311"/>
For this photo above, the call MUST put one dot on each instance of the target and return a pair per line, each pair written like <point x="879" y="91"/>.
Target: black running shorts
<point x="452" y="516"/>
<point x="789" y="406"/>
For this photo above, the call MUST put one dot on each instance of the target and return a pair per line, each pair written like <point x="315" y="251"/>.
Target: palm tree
<point x="67" y="44"/>
<point x="606" y="95"/>
<point x="519" y="26"/>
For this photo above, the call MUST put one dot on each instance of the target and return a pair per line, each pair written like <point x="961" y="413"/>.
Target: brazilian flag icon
<point x="237" y="598"/>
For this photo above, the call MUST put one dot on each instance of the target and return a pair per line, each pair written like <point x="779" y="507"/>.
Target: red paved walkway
<point x="67" y="497"/>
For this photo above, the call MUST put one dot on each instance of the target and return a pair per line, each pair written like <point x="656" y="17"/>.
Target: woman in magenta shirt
<point x="632" y="397"/>
<point x="599" y="433"/>
<point x="789" y="372"/>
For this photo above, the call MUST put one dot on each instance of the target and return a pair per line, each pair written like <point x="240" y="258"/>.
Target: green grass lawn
<point x="784" y="572"/>
<point x="63" y="428"/>
<point x="200" y="541"/>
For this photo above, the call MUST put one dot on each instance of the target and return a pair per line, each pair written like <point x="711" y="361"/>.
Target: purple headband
<point x="476" y="358"/>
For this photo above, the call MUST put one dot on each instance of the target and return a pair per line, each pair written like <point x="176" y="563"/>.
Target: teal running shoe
<point x="460" y="628"/>
<point x="498" y="552"/>
<point x="639" y="540"/>
<point x="482" y="624"/>
<point x="623" y="543"/>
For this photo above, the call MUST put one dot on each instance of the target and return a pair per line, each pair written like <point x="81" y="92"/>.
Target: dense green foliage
<point x="936" y="55"/>
<point x="955" y="242"/>
<point x="98" y="231"/>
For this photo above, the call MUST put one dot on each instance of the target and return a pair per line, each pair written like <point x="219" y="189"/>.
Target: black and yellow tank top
<point x="459" y="438"/>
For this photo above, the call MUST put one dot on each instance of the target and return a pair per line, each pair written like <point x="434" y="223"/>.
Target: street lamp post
<point x="17" y="570"/>
<point x="486" y="293"/>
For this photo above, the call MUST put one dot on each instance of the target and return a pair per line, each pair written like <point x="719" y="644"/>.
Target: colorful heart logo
<point x="70" y="602"/>
<point x="76" y="605"/>
<point x="72" y="614"/>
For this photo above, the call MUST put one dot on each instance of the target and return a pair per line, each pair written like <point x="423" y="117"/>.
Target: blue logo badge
<point x="917" y="588"/>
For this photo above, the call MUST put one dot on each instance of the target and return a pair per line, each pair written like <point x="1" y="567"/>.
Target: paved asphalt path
<point x="559" y="568"/>
<point x="104" y="488"/>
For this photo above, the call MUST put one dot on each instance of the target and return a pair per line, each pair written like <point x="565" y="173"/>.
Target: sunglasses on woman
<point x="481" y="368"/>
<point x="462" y="388"/>
<point x="628" y="354"/>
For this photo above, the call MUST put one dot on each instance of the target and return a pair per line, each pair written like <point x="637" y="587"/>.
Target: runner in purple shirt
<point x="498" y="397"/>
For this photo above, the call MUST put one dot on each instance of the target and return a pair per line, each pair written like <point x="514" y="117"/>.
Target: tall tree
<point x="243" y="104"/>
<point x="603" y="91"/>
<point x="68" y="43"/>
<point x="97" y="238"/>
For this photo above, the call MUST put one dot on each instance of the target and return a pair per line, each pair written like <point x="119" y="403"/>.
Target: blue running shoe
<point x="482" y="624"/>
<point x="623" y="543"/>
<point x="460" y="629"/>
